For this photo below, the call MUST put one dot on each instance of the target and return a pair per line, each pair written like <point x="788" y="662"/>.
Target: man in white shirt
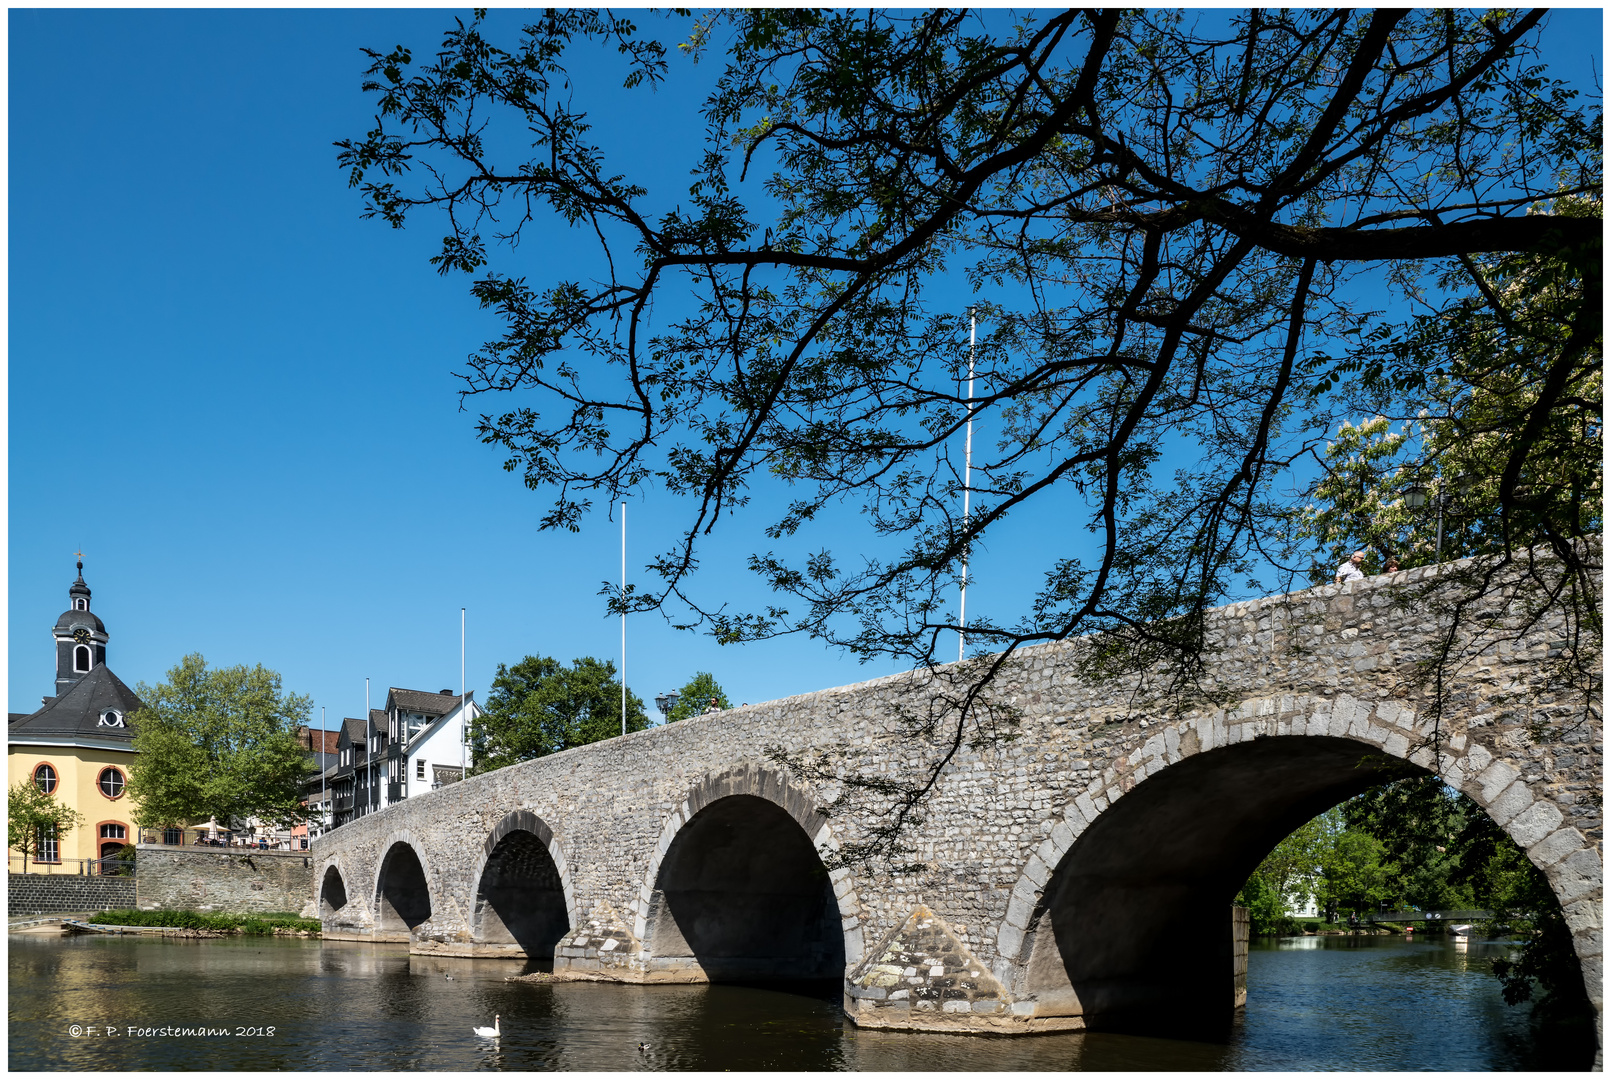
<point x="1351" y="570"/>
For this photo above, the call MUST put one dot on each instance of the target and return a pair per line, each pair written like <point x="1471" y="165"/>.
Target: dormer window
<point x="112" y="718"/>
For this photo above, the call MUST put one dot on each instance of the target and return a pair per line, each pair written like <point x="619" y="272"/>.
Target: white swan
<point x="489" y="1032"/>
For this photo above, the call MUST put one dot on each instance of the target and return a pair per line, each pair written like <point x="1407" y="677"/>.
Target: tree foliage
<point x="1168" y="223"/>
<point x="696" y="697"/>
<point x="1325" y="861"/>
<point x="1477" y="371"/>
<point x="31" y="812"/>
<point x="218" y="743"/>
<point x="540" y="707"/>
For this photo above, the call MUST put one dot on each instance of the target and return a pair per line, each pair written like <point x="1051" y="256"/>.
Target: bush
<point x="1312" y="927"/>
<point x="252" y="925"/>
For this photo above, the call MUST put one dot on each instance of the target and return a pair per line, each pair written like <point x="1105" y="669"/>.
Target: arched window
<point x="111" y="782"/>
<point x="45" y="779"/>
<point x="80" y="604"/>
<point x="81" y="658"/>
<point x="114" y="832"/>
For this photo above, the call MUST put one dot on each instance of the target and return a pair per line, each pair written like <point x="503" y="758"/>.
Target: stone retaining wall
<point x="38" y="894"/>
<point x="229" y="880"/>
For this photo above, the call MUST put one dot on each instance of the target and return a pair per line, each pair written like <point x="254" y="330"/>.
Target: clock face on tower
<point x="81" y="635"/>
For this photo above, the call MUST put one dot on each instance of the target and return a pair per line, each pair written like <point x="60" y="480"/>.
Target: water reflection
<point x="1314" y="1003"/>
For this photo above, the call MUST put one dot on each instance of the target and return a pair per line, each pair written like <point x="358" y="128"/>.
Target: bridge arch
<point x="332" y="890"/>
<point x="403" y="898"/>
<point x="523" y="896"/>
<point x="737" y="883"/>
<point x="1121" y="912"/>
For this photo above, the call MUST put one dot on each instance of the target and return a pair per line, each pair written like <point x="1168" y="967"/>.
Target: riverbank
<point x="210" y="924"/>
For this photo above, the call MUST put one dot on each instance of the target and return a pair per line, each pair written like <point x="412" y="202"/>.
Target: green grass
<point x="253" y="925"/>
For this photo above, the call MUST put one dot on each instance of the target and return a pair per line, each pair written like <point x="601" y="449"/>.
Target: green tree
<point x="218" y="743"/>
<point x="1340" y="867"/>
<point x="1287" y="877"/>
<point x="1164" y="219"/>
<point x="1269" y="912"/>
<point x="540" y="707"/>
<point x="695" y="697"/>
<point x="1455" y="388"/>
<point x="1355" y="877"/>
<point x="1421" y="824"/>
<point x="31" y="814"/>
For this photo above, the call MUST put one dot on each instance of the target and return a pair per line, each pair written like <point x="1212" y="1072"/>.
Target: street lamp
<point x="1415" y="497"/>
<point x="665" y="703"/>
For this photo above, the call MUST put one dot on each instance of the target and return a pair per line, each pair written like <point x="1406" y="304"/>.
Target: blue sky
<point x="237" y="397"/>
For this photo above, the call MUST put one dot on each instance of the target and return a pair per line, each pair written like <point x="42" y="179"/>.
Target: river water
<point x="1313" y="1003"/>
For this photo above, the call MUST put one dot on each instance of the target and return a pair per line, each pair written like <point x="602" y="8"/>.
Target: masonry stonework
<point x="41" y="894"/>
<point x="232" y="880"/>
<point x="1079" y="871"/>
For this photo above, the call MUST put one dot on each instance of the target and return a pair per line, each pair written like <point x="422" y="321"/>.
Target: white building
<point x="426" y="741"/>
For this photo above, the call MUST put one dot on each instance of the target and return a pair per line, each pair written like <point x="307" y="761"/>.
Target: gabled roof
<point x="421" y="701"/>
<point x="77" y="711"/>
<point x="318" y="740"/>
<point x="318" y="780"/>
<point x="436" y="725"/>
<point x="354" y="732"/>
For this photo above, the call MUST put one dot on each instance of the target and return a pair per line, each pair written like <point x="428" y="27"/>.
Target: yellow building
<point x="77" y="746"/>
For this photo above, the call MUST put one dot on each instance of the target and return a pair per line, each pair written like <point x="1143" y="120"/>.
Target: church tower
<point x="80" y="637"/>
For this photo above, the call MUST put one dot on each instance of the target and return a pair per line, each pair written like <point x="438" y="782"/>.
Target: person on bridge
<point x="1351" y="570"/>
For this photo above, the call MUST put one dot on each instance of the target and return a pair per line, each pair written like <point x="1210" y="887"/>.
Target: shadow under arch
<point x="521" y="900"/>
<point x="741" y="893"/>
<point x="402" y="892"/>
<point x="1133" y="929"/>
<point x="332" y="893"/>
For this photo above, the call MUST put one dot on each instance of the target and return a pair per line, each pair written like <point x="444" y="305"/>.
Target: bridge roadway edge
<point x="1325" y="664"/>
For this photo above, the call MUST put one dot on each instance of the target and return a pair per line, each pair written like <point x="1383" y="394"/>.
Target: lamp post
<point x="665" y="703"/>
<point x="1415" y="497"/>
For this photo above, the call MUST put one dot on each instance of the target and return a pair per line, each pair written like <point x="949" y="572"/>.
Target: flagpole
<point x="464" y="715"/>
<point x="623" y="619"/>
<point x="324" y="806"/>
<point x="967" y="480"/>
<point x="369" y="752"/>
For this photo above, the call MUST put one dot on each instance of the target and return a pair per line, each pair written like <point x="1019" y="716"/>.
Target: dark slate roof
<point x="18" y="716"/>
<point x="356" y="730"/>
<point x="421" y="701"/>
<point x="379" y="719"/>
<point x="80" y="618"/>
<point x="78" y="710"/>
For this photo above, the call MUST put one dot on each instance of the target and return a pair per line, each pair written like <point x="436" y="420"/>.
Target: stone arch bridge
<point x="1077" y="875"/>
